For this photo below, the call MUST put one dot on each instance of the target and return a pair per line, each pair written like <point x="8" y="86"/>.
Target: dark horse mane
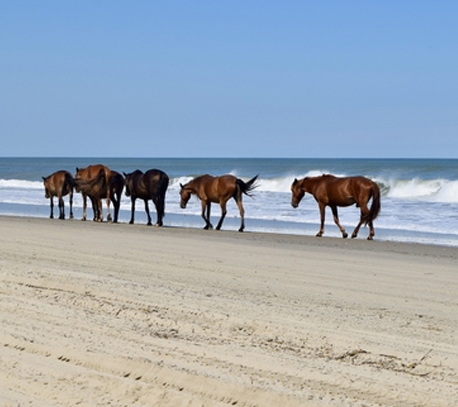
<point x="94" y="188"/>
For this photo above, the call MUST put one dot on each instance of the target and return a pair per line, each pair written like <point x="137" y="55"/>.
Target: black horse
<point x="152" y="185"/>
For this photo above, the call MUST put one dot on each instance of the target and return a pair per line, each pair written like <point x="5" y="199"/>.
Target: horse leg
<point x="115" y="209"/>
<point x="364" y="210"/>
<point x="371" y="229"/>
<point x="84" y="207"/>
<point x="99" y="210"/>
<point x="51" y="205"/>
<point x="109" y="219"/>
<point x="96" y="209"/>
<point x="206" y="214"/>
<point x="223" y="214"/>
<point x="61" y="208"/>
<point x="132" y="210"/>
<point x="147" y="213"/>
<point x="322" y="209"/>
<point x="336" y="221"/>
<point x="159" y="211"/>
<point x="242" y="215"/>
<point x="71" y="204"/>
<point x="355" y="232"/>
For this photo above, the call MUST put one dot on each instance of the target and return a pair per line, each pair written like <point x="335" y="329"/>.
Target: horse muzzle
<point x="294" y="204"/>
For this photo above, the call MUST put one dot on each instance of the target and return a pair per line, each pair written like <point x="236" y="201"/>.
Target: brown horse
<point x="217" y="190"/>
<point x="95" y="189"/>
<point x="332" y="191"/>
<point x="59" y="184"/>
<point x="90" y="173"/>
<point x="152" y="185"/>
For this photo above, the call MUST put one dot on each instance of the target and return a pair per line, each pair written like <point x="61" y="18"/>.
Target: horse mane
<point x="94" y="187"/>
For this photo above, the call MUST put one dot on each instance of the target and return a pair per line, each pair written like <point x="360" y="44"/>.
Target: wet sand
<point x="129" y="315"/>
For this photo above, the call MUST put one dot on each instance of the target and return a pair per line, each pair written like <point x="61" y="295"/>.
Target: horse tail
<point x="375" y="207"/>
<point x="162" y="188"/>
<point x="247" y="187"/>
<point x="69" y="182"/>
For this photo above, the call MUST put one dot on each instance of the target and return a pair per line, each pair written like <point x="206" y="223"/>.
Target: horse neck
<point x="193" y="186"/>
<point x="310" y="184"/>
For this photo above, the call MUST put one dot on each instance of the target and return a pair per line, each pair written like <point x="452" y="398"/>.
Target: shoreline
<point x="231" y="223"/>
<point x="96" y="314"/>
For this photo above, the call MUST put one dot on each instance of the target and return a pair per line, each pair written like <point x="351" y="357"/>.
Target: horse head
<point x="297" y="193"/>
<point x="127" y="182"/>
<point x="185" y="194"/>
<point x="45" y="183"/>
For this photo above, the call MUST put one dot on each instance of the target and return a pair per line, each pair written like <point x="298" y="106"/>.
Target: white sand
<point x="120" y="315"/>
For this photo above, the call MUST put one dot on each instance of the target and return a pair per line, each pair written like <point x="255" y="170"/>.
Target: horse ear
<point x="295" y="180"/>
<point x="125" y="175"/>
<point x="44" y="179"/>
<point x="181" y="185"/>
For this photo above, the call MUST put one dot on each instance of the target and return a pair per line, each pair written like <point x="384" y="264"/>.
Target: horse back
<point x="144" y="185"/>
<point x="156" y="181"/>
<point x="222" y="187"/>
<point x="60" y="183"/>
<point x="348" y="190"/>
<point x="92" y="171"/>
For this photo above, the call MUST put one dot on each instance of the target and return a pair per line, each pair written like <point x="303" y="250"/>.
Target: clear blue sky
<point x="229" y="78"/>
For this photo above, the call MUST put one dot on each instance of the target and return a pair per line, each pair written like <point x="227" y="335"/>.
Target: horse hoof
<point x="344" y="235"/>
<point x="353" y="236"/>
<point x="319" y="234"/>
<point x="370" y="238"/>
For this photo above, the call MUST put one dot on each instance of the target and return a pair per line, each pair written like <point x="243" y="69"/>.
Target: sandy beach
<point x="129" y="315"/>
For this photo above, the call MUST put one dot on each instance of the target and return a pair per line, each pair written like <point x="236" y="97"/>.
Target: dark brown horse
<point x="89" y="174"/>
<point x="59" y="184"/>
<point x="217" y="190"/>
<point x="116" y="187"/>
<point x="152" y="185"/>
<point x="332" y="191"/>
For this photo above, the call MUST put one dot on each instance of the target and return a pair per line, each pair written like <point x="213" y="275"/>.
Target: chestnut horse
<point x="217" y="190"/>
<point x="332" y="191"/>
<point x="152" y="185"/>
<point x="59" y="184"/>
<point x="90" y="173"/>
<point x="95" y="189"/>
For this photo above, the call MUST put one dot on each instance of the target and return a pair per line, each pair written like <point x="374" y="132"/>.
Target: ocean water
<point x="419" y="196"/>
